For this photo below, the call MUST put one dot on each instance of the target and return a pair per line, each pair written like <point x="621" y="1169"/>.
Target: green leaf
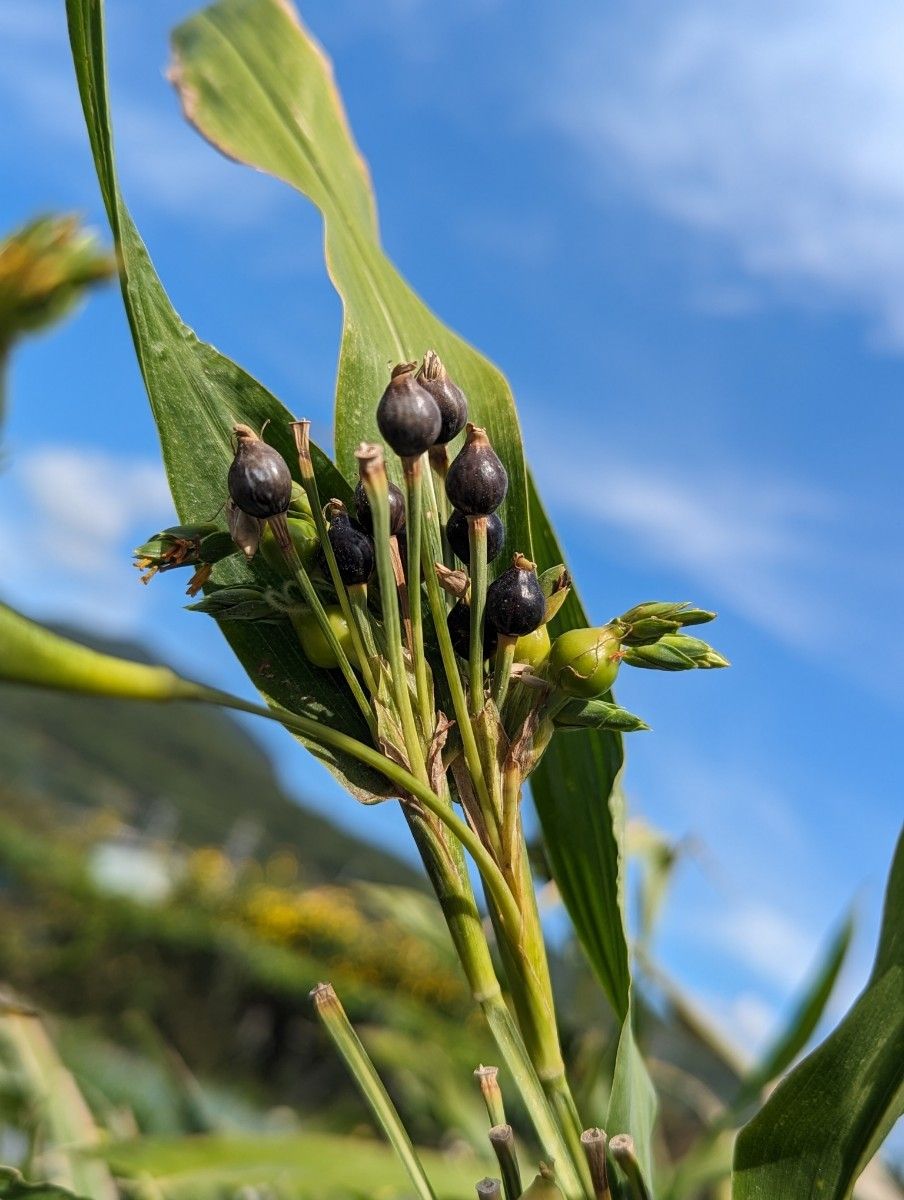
<point x="14" y="1187"/>
<point x="257" y="85"/>
<point x="259" y="88"/>
<point x="196" y="395"/>
<point x="305" y="1166"/>
<point x="597" y="714"/>
<point x="824" y="1122"/>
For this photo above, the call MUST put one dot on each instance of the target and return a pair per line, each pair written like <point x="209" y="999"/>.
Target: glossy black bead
<point x="515" y="601"/>
<point x="450" y="399"/>
<point x="259" y="481"/>
<point x="408" y="417"/>
<point x="396" y="509"/>
<point x="457" y="533"/>
<point x="477" y="481"/>
<point x="458" y="623"/>
<point x="353" y="549"/>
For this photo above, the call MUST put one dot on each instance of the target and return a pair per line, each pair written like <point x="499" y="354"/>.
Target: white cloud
<point x="747" y="540"/>
<point x="764" y="940"/>
<point x="776" y="128"/>
<point x="746" y="1021"/>
<point x="785" y="555"/>
<point x="68" y="520"/>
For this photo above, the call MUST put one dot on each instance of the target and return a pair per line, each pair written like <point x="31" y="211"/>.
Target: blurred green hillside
<point x="178" y="771"/>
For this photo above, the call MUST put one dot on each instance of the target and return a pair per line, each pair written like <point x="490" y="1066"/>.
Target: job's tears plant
<point x="405" y="613"/>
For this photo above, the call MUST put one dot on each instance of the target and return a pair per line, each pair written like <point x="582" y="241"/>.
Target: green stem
<point x="313" y="601"/>
<point x="565" y="1109"/>
<point x="436" y="600"/>
<point x="477" y="536"/>
<point x="505" y="656"/>
<point x="309" y="483"/>
<point x="357" y="598"/>
<point x="378" y="497"/>
<point x="508" y="1039"/>
<point x="325" y="735"/>
<point x="439" y="468"/>
<point x="362" y="1070"/>
<point x="621" y="1147"/>
<point x="413" y="522"/>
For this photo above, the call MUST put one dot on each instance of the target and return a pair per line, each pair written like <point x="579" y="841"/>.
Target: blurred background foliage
<point x="166" y="908"/>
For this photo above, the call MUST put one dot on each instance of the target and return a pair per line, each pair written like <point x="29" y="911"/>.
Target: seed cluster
<point x="375" y="635"/>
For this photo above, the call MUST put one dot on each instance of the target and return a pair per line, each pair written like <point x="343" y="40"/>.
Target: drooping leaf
<point x="37" y="657"/>
<point x="196" y="395"/>
<point x="259" y="88"/>
<point x="824" y="1122"/>
<point x="257" y="85"/>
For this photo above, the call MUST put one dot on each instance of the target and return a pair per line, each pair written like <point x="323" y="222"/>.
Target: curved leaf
<point x="256" y="84"/>
<point x="35" y="656"/>
<point x="196" y="395"/>
<point x="824" y="1122"/>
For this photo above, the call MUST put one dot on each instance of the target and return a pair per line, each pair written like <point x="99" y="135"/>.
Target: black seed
<point x="457" y="533"/>
<point x="459" y="625"/>
<point x="396" y="509"/>
<point x="477" y="481"/>
<point x="354" y="551"/>
<point x="451" y="400"/>
<point x="515" y="601"/>
<point x="407" y="415"/>
<point x="259" y="482"/>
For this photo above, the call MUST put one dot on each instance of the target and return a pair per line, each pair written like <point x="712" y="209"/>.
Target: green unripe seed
<point x="316" y="648"/>
<point x="533" y="648"/>
<point x="303" y="533"/>
<point x="299" y="505"/>
<point x="585" y="662"/>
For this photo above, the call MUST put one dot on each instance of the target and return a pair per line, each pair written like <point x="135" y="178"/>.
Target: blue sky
<point x="680" y="232"/>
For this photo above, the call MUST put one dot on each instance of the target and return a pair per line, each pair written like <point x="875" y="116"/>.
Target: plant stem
<point x="439" y="468"/>
<point x="505" y="656"/>
<point x="357" y="598"/>
<point x="362" y="1070"/>
<point x="313" y="601"/>
<point x="414" y="508"/>
<point x="477" y="536"/>
<point x="301" y="431"/>
<point x="488" y="1078"/>
<point x="593" y="1142"/>
<point x="621" y="1147"/>
<point x="502" y="1139"/>
<point x="324" y="735"/>
<point x="513" y="1050"/>
<point x="435" y="598"/>
<point x="374" y="479"/>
